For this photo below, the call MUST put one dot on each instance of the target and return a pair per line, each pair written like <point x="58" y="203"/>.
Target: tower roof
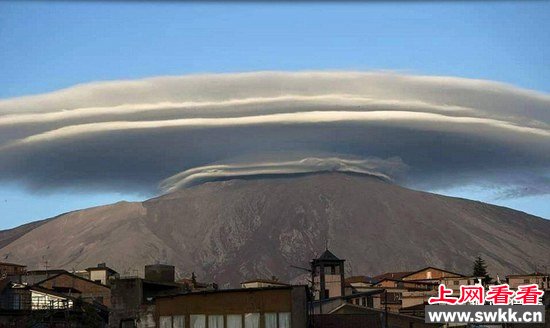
<point x="327" y="256"/>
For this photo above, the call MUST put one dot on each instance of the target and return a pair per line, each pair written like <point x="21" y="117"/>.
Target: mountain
<point x="228" y="231"/>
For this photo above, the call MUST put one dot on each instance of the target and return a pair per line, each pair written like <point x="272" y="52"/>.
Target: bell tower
<point x="327" y="273"/>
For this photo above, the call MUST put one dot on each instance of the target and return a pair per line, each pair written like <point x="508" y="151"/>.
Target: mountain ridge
<point x="238" y="229"/>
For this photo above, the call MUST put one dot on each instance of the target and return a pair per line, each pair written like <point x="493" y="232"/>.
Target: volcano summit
<point x="232" y="230"/>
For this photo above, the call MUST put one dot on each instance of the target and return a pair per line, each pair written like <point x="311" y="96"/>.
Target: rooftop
<point x="534" y="274"/>
<point x="327" y="256"/>
<point x="233" y="290"/>
<point x="434" y="268"/>
<point x="12" y="264"/>
<point x="359" y="279"/>
<point x="391" y="276"/>
<point x="265" y="281"/>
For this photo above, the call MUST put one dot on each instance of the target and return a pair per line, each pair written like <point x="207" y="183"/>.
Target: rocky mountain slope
<point x="232" y="230"/>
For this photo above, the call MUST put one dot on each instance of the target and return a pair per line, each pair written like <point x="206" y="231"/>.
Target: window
<point x="234" y="321"/>
<point x="178" y="321"/>
<point x="252" y="320"/>
<point x="455" y="282"/>
<point x="429" y="275"/>
<point x="197" y="321"/>
<point x="215" y="321"/>
<point x="526" y="281"/>
<point x="165" y="322"/>
<point x="284" y="320"/>
<point x="270" y="320"/>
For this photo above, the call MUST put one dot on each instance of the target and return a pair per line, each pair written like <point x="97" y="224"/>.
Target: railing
<point x="46" y="304"/>
<point x="36" y="304"/>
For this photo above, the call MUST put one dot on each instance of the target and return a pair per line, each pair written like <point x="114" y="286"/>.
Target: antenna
<point x="45" y="262"/>
<point x="301" y="268"/>
<point x="350" y="268"/>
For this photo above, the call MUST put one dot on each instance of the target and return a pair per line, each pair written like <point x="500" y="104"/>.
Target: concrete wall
<point x="269" y="300"/>
<point x="160" y="273"/>
<point x="99" y="276"/>
<point x="350" y="316"/>
<point x="126" y="300"/>
<point x="409" y="299"/>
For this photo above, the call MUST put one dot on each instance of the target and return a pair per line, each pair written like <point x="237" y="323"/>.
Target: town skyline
<point x="49" y="46"/>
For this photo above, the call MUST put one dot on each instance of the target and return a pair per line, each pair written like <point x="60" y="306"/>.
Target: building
<point x="328" y="276"/>
<point x="389" y="299"/>
<point x="13" y="298"/>
<point x="412" y="298"/>
<point x="132" y="299"/>
<point x="12" y="271"/>
<point x="160" y="273"/>
<point x="35" y="276"/>
<point x="75" y="286"/>
<point x="350" y="315"/>
<point x="101" y="274"/>
<point x="357" y="284"/>
<point x="272" y="307"/>
<point x="540" y="279"/>
<point x="430" y="274"/>
<point x="34" y="306"/>
<point x="409" y="285"/>
<point x="454" y="283"/>
<point x="408" y="289"/>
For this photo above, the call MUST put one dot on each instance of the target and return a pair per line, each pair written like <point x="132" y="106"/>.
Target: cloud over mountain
<point x="125" y="135"/>
<point x="382" y="169"/>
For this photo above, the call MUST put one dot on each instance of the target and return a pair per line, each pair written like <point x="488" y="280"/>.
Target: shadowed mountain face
<point x="228" y="231"/>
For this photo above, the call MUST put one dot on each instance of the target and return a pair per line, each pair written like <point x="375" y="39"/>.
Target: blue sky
<point x="45" y="46"/>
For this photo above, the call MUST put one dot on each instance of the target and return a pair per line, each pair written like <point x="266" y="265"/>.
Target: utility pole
<point x="385" y="308"/>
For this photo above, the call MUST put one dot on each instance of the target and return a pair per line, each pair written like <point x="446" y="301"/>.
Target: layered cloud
<point x="382" y="169"/>
<point x="125" y="135"/>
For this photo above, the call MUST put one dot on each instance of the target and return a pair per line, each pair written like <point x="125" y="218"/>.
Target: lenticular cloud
<point x="123" y="135"/>
<point x="375" y="167"/>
